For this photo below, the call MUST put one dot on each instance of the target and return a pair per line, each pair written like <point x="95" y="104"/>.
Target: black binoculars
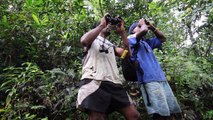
<point x="103" y="49"/>
<point x="113" y="20"/>
<point x="106" y="51"/>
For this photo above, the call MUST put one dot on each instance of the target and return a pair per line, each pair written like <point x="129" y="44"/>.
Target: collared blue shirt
<point x="147" y="60"/>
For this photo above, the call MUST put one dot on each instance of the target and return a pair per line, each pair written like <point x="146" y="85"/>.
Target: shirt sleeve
<point x="154" y="43"/>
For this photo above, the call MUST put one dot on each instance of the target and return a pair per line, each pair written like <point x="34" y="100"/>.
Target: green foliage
<point x="208" y="115"/>
<point x="190" y="78"/>
<point x="32" y="93"/>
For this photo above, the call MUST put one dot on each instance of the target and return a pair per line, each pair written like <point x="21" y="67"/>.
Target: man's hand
<point x="103" y="21"/>
<point x="157" y="32"/>
<point x="149" y="25"/>
<point x="142" y="22"/>
<point x="120" y="26"/>
<point x="143" y="26"/>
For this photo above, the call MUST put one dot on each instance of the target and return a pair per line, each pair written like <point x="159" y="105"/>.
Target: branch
<point x="209" y="48"/>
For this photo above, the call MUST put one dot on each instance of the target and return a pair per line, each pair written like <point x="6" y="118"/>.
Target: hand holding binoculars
<point x="113" y="20"/>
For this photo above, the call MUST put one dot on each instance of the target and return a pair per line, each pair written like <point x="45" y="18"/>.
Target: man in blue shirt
<point x="158" y="97"/>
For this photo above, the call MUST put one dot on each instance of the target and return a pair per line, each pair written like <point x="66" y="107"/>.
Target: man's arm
<point x="156" y="31"/>
<point x="119" y="51"/>
<point x="121" y="31"/>
<point x="90" y="36"/>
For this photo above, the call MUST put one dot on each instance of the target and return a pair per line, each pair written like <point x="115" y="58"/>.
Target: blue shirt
<point x="147" y="60"/>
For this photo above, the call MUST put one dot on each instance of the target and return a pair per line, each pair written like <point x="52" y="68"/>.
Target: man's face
<point x="107" y="30"/>
<point x="137" y="29"/>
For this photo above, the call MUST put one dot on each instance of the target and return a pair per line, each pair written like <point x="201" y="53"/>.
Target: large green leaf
<point x="35" y="18"/>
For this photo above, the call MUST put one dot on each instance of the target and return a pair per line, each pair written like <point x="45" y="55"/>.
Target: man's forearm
<point x="144" y="30"/>
<point x="159" y="34"/>
<point x="125" y="43"/>
<point x="124" y="40"/>
<point x="90" y="36"/>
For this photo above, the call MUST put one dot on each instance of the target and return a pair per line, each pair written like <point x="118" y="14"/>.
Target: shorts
<point x="161" y="98"/>
<point x="102" y="96"/>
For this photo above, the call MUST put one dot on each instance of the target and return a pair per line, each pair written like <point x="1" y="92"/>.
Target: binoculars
<point x="103" y="49"/>
<point x="113" y="20"/>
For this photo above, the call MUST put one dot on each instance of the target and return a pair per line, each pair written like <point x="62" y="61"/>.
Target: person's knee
<point x="96" y="116"/>
<point x="133" y="115"/>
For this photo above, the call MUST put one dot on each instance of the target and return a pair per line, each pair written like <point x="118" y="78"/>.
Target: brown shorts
<point x="102" y="96"/>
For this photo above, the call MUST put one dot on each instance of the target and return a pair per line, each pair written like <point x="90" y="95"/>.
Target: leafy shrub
<point x="32" y="93"/>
